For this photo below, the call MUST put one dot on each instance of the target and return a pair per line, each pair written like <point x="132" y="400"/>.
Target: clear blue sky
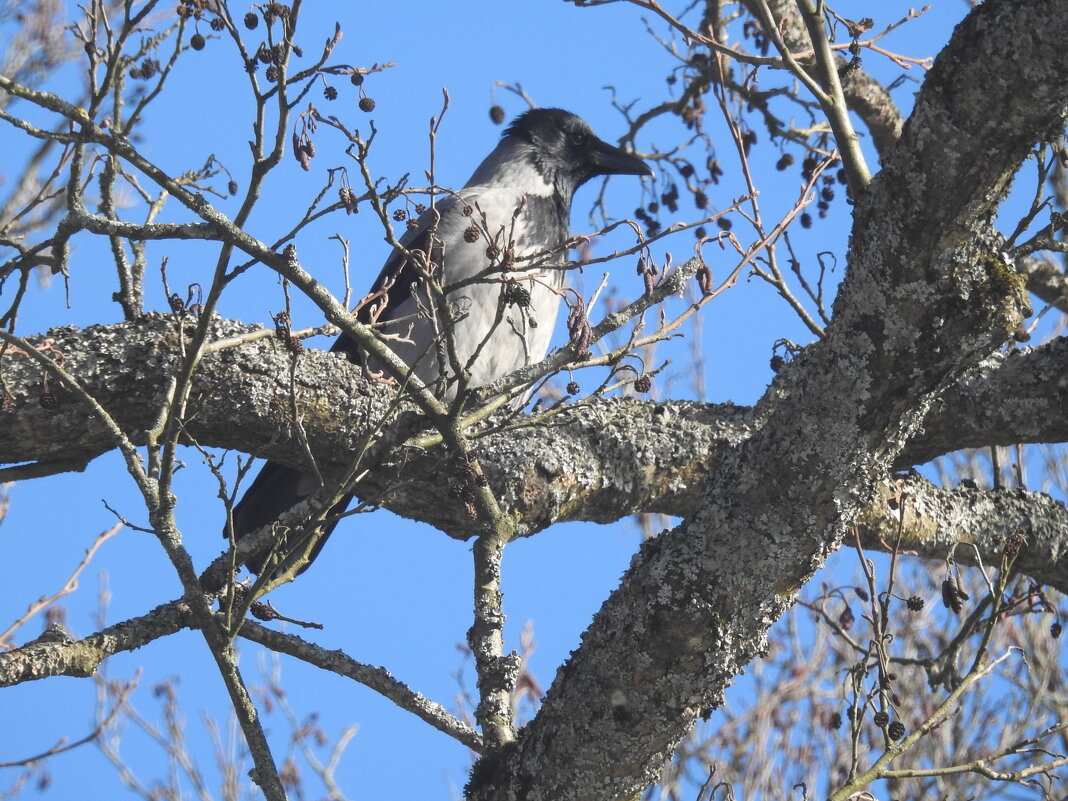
<point x="389" y="592"/>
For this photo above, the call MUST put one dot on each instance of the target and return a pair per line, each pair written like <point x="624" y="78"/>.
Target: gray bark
<point x="926" y="298"/>
<point x="599" y="461"/>
<point x="934" y="520"/>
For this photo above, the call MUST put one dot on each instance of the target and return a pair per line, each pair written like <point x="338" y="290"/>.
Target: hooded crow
<point x="488" y="245"/>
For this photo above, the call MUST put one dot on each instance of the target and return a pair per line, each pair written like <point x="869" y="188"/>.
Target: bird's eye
<point x="579" y="139"/>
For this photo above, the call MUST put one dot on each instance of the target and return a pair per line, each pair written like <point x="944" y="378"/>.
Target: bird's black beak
<point x="606" y="159"/>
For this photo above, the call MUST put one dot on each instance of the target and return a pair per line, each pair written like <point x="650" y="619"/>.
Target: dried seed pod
<point x="648" y="273"/>
<point x="1014" y="544"/>
<point x="348" y="199"/>
<point x="515" y="294"/>
<point x="303" y="155"/>
<point x="262" y="611"/>
<point x="749" y="138"/>
<point x="951" y="596"/>
<point x="960" y="588"/>
<point x="846" y="619"/>
<point x="578" y="327"/>
<point x="704" y="279"/>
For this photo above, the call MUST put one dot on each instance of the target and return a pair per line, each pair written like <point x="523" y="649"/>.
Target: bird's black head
<point x="567" y="153"/>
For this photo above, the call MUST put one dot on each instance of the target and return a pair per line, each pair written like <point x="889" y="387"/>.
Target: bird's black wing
<point x="398" y="276"/>
<point x="277" y="488"/>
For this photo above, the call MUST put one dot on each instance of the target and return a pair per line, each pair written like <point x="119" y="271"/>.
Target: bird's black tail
<point x="276" y="490"/>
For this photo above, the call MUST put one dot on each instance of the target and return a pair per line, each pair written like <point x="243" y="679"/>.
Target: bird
<point x="488" y="245"/>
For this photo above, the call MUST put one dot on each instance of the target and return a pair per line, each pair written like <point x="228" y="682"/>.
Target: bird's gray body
<point x="491" y="337"/>
<point x="519" y="200"/>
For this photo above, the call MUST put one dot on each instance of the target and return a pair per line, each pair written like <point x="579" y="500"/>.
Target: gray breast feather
<point x="489" y="336"/>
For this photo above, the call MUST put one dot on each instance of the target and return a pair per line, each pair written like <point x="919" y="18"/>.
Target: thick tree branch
<point x="936" y="519"/>
<point x="1047" y="281"/>
<point x="599" y="462"/>
<point x="1006" y="400"/>
<point x="925" y="299"/>
<point x="865" y="96"/>
<point x="61" y="656"/>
